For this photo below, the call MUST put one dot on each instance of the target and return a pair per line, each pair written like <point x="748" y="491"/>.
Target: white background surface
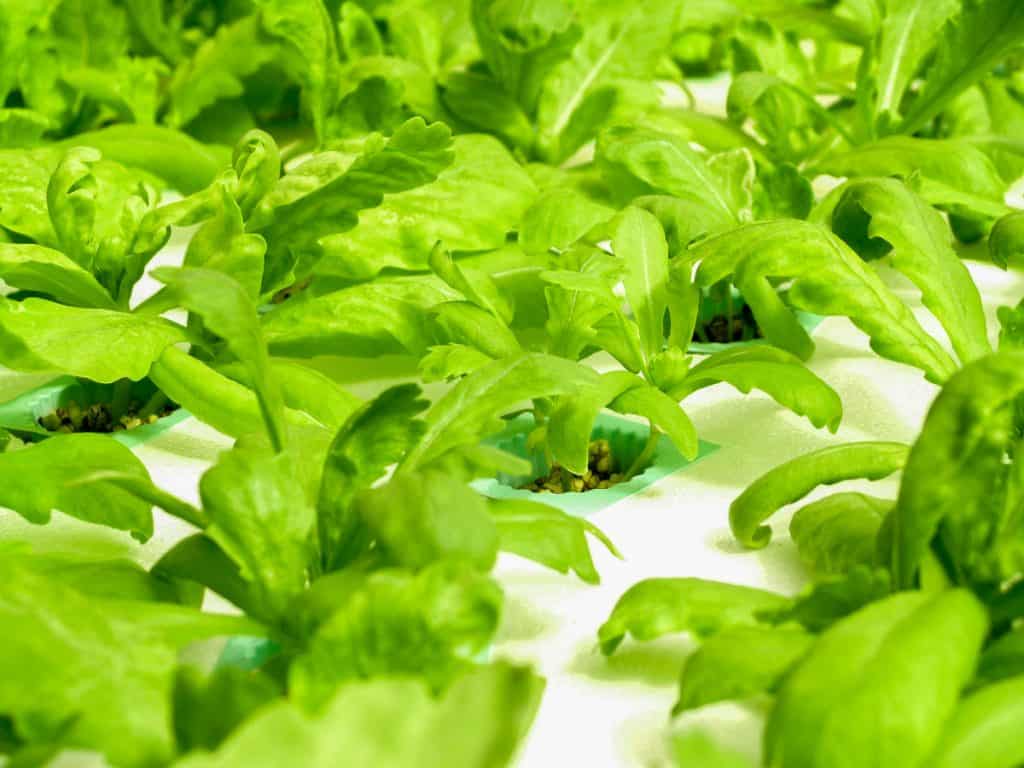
<point x="613" y="712"/>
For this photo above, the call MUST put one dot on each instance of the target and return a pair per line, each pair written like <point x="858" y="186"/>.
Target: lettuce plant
<point x="361" y="553"/>
<point x="940" y="560"/>
<point x="921" y="90"/>
<point x="584" y="315"/>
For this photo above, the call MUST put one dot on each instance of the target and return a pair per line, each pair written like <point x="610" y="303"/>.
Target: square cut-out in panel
<point x="626" y="439"/>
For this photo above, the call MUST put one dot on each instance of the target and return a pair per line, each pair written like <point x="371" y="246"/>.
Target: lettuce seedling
<point x="585" y="316"/>
<point x="934" y="97"/>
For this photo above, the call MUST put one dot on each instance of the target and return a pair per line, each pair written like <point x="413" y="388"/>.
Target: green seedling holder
<point x="22" y="414"/>
<point x="248" y="653"/>
<point x="626" y="439"/>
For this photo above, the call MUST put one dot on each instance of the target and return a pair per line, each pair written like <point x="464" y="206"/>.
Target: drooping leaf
<point x="401" y="231"/>
<point x="921" y="249"/>
<point x="50" y="272"/>
<point x="323" y="196"/>
<point x="385" y="316"/>
<point x="656" y="607"/>
<point x="98" y="344"/>
<point x="547" y="536"/>
<point x="774" y="371"/>
<point x="827" y="279"/>
<point x="790" y="482"/>
<point x="42" y="478"/>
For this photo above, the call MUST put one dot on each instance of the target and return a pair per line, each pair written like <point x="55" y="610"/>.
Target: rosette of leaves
<point x="584" y="315"/>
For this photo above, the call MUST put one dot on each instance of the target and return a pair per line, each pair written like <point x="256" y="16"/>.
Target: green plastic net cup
<point x="626" y="440"/>
<point x="22" y="414"/>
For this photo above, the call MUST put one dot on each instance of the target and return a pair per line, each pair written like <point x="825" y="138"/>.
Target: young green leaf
<point x="374" y="437"/>
<point x="775" y="372"/>
<point x="739" y="662"/>
<point x="477" y="287"/>
<point x="639" y="241"/>
<point x="40" y="269"/>
<point x="921" y="249"/>
<point x="910" y="30"/>
<point x="559" y="218"/>
<point x="956" y="477"/>
<point x="973" y="42"/>
<point x="694" y="748"/>
<point x="984" y="729"/>
<point x="228" y="311"/>
<point x="215" y="399"/>
<point x="41" y="478"/>
<point x="826" y="601"/>
<point x="306" y="28"/>
<point x="818" y="263"/>
<point x="828" y="708"/>
<point x="618" y="44"/>
<point x="945" y="164"/>
<point x="97" y="344"/>
<point x="428" y="624"/>
<point x="222" y="245"/>
<point x="641" y="162"/>
<point x="418" y="518"/>
<point x="386" y="316"/>
<point x="216" y="70"/>
<point x="792" y="481"/>
<point x="471" y="409"/>
<point x="839" y="532"/>
<point x="111" y="689"/>
<point x="656" y="607"/>
<point x="401" y="231"/>
<point x="295" y="215"/>
<point x="260" y="516"/>
<point x="209" y="707"/>
<point x="1006" y="241"/>
<point x="548" y="536"/>
<point x="1003" y="658"/>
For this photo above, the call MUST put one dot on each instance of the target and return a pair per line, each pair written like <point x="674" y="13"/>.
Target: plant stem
<point x="121" y="400"/>
<point x="729" y="313"/>
<point x="640" y="462"/>
<point x="154" y="405"/>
